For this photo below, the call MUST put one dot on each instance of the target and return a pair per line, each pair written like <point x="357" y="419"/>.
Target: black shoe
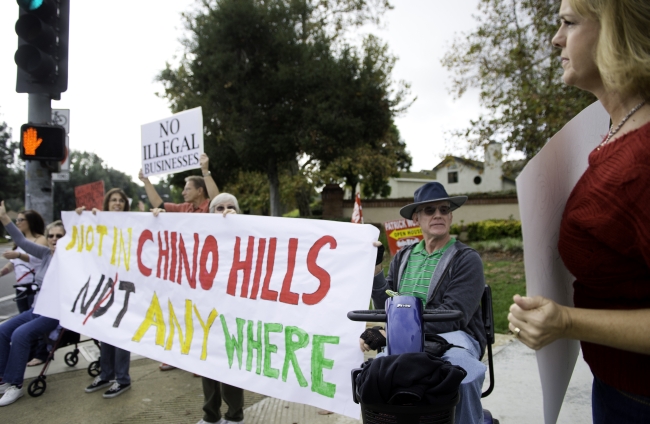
<point x="116" y="390"/>
<point x="97" y="384"/>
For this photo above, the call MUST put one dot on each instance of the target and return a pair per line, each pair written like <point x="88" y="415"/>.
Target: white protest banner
<point x="543" y="188"/>
<point x="255" y="302"/>
<point x="172" y="144"/>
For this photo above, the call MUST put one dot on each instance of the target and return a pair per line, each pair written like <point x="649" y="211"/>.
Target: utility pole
<point x="38" y="176"/>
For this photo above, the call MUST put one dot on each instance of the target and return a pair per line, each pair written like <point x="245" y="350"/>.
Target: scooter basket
<point x="398" y="414"/>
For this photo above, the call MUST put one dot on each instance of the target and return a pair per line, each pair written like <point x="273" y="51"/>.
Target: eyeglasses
<point x="58" y="236"/>
<point x="19" y="220"/>
<point x="221" y="208"/>
<point x="431" y="210"/>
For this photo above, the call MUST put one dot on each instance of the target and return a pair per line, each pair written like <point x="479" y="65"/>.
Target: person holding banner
<point x="604" y="236"/>
<point x="214" y="391"/>
<point x="444" y="274"/>
<point x="113" y="361"/>
<point x="17" y="334"/>
<point x="31" y="224"/>
<point x="197" y="192"/>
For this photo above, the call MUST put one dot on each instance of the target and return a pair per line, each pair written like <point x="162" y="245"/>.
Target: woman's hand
<point x="4" y="218"/>
<point x="228" y="212"/>
<point x="156" y="211"/>
<point x="80" y="209"/>
<point x="142" y="178"/>
<point x="540" y="320"/>
<point x="11" y="254"/>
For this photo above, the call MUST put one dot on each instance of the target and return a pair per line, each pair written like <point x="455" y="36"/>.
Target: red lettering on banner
<point x="318" y="272"/>
<point x="172" y="267"/>
<point x="190" y="273"/>
<point x="286" y="295"/>
<point x="163" y="253"/>
<point x="206" y="278"/>
<point x="237" y="264"/>
<point x="258" y="268"/>
<point x="267" y="293"/>
<point x="144" y="237"/>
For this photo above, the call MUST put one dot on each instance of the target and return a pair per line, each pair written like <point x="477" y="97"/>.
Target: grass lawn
<point x="505" y="275"/>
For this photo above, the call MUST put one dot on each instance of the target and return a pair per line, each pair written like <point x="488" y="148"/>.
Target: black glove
<point x="380" y="255"/>
<point x="373" y="338"/>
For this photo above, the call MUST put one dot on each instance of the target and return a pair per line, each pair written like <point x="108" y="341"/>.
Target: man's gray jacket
<point x="456" y="284"/>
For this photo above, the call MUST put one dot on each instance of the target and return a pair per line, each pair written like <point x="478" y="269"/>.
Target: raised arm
<point x="213" y="190"/>
<point x="154" y="198"/>
<point x="32" y="248"/>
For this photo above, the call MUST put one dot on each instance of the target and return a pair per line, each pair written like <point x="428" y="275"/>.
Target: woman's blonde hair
<point x="623" y="52"/>
<point x="56" y="223"/>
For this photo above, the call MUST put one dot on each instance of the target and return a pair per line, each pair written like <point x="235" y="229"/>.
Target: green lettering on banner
<point x="251" y="344"/>
<point x="318" y="362"/>
<point x="290" y="352"/>
<point x="233" y="343"/>
<point x="269" y="349"/>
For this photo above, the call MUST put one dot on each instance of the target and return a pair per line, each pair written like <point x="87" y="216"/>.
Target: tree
<point x="87" y="168"/>
<point x="12" y="176"/>
<point x="274" y="89"/>
<point x="512" y="61"/>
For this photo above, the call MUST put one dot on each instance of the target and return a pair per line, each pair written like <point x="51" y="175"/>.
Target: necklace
<point x="623" y="121"/>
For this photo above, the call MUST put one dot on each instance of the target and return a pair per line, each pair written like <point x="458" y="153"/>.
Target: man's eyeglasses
<point x="19" y="220"/>
<point x="221" y="208"/>
<point x="431" y="210"/>
<point x="58" y="236"/>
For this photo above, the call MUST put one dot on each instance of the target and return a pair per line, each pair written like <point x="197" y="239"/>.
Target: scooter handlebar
<point x="428" y="315"/>
<point x="441" y="315"/>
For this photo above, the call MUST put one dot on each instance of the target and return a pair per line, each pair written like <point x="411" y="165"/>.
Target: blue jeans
<point x="469" y="409"/>
<point x="610" y="405"/>
<point x="16" y="337"/>
<point x="114" y="362"/>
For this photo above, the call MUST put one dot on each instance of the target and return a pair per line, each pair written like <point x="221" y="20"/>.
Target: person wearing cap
<point x="445" y="274"/>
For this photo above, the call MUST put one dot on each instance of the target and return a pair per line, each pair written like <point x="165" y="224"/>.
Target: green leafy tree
<point x="12" y="177"/>
<point x="274" y="89"/>
<point x="88" y="168"/>
<point x="510" y="59"/>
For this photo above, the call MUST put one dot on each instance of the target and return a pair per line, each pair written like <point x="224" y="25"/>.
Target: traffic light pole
<point x="38" y="178"/>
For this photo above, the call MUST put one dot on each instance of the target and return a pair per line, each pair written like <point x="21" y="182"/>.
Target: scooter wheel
<point x="37" y="387"/>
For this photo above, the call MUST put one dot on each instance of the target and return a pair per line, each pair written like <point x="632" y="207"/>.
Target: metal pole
<point x="38" y="178"/>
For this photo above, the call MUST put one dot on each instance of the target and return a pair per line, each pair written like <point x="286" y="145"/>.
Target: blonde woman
<point x="605" y="230"/>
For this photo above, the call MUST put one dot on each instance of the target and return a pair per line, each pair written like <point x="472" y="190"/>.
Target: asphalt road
<point x="7" y="305"/>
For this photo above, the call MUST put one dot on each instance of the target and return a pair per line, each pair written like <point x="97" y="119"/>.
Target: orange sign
<point x="31" y="141"/>
<point x="90" y="195"/>
<point x="400" y="233"/>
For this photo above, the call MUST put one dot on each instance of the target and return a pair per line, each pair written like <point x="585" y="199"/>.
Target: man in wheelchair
<point x="445" y="274"/>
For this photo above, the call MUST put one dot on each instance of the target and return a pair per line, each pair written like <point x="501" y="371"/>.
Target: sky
<point x="116" y="52"/>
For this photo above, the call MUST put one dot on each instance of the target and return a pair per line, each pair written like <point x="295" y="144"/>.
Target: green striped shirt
<point x="419" y="269"/>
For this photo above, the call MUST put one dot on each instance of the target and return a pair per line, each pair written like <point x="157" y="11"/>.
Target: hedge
<point x="490" y="229"/>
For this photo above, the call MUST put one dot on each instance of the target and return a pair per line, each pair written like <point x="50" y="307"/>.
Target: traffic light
<point x="42" y="55"/>
<point x="42" y="142"/>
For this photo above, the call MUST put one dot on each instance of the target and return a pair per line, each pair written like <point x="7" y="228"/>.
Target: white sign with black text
<point x="173" y="144"/>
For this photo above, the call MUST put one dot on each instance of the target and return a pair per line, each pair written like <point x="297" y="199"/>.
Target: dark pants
<point x="23" y="301"/>
<point x="610" y="405"/>
<point x="114" y="363"/>
<point x="213" y="391"/>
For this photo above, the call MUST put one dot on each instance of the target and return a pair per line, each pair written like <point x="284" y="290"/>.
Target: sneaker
<point x="12" y="394"/>
<point x="225" y="421"/>
<point x="98" y="384"/>
<point x="205" y="422"/>
<point x="4" y="387"/>
<point x="116" y="390"/>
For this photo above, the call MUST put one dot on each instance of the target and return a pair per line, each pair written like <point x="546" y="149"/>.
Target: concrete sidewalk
<point x="176" y="396"/>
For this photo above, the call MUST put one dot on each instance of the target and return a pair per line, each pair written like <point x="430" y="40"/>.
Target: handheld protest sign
<point x="90" y="195"/>
<point x="173" y="144"/>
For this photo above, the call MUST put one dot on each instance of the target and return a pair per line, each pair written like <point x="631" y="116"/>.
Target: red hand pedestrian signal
<point x="42" y="142"/>
<point x="31" y="141"/>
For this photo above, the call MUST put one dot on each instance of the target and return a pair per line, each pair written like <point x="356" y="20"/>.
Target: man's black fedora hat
<point x="431" y="192"/>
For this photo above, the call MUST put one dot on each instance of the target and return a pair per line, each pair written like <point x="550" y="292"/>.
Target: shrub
<point x="490" y="229"/>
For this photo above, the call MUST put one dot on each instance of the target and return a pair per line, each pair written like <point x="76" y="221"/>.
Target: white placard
<point x="543" y="188"/>
<point x="255" y="302"/>
<point x="172" y="144"/>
